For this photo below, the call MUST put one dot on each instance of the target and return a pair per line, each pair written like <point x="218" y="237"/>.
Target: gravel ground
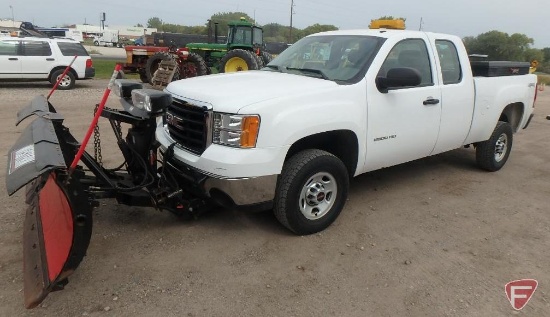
<point x="434" y="237"/>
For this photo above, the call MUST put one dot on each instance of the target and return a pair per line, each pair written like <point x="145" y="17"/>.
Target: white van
<point x="35" y="58"/>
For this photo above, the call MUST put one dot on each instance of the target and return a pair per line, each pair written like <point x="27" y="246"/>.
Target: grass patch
<point x="544" y="79"/>
<point x="104" y="69"/>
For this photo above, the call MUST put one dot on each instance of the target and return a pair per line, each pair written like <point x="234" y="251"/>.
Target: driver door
<point x="403" y="124"/>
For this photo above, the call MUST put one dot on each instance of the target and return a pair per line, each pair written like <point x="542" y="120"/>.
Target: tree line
<point x="497" y="45"/>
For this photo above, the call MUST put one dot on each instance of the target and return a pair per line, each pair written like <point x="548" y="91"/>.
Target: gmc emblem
<point x="174" y="121"/>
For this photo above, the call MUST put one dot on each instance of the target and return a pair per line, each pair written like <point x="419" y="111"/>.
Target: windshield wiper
<point x="310" y="70"/>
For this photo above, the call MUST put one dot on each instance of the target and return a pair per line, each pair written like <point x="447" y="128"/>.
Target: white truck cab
<point x="333" y="106"/>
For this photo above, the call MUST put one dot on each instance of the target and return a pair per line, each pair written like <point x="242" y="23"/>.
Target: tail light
<point x="89" y="63"/>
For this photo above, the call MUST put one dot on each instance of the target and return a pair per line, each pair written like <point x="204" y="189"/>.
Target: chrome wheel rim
<point x="65" y="82"/>
<point x="318" y="195"/>
<point x="501" y="147"/>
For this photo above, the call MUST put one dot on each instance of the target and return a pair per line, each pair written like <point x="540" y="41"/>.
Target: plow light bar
<point x="123" y="87"/>
<point x="151" y="100"/>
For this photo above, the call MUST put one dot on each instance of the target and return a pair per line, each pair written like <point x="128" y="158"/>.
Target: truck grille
<point x="189" y="125"/>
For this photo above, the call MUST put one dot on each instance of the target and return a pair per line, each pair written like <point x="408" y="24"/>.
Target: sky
<point x="458" y="17"/>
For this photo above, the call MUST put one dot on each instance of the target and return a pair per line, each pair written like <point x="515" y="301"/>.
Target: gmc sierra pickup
<point x="336" y="105"/>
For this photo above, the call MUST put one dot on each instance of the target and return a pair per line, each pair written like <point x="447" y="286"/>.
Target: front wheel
<point x="238" y="60"/>
<point x="491" y="155"/>
<point x="311" y="191"/>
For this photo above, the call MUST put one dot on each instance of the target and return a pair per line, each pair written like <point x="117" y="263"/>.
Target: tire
<point x="193" y="66"/>
<point x="143" y="77"/>
<point x="68" y="81"/>
<point x="311" y="191"/>
<point x="153" y="64"/>
<point x="266" y="57"/>
<point x="491" y="155"/>
<point x="238" y="60"/>
<point x="259" y="60"/>
<point x="96" y="43"/>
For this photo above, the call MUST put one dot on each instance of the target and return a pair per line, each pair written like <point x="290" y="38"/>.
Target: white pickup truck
<point x="335" y="105"/>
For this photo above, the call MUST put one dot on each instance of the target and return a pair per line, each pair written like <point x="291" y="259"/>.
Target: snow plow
<point x="63" y="182"/>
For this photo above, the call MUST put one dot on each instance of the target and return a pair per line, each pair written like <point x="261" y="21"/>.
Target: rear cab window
<point x="450" y="63"/>
<point x="72" y="49"/>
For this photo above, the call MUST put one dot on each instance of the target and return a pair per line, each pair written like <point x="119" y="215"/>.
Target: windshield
<point x="241" y="35"/>
<point x="340" y="58"/>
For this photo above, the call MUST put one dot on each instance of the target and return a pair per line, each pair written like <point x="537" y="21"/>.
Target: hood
<point x="230" y="92"/>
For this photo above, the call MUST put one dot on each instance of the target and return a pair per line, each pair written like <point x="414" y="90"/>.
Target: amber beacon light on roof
<point x="396" y="24"/>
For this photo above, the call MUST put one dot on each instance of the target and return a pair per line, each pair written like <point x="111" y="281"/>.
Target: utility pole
<point x="291" y="14"/>
<point x="12" y="16"/>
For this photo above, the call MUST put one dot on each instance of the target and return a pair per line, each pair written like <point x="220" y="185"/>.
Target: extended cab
<point x="332" y="106"/>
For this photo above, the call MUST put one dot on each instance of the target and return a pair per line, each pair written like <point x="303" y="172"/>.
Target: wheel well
<point x="341" y="143"/>
<point x="513" y="114"/>
<point x="62" y="68"/>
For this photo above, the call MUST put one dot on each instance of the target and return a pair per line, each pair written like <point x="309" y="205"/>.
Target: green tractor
<point x="244" y="50"/>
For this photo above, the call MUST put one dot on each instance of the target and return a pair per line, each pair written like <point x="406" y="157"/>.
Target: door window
<point x="36" y="48"/>
<point x="450" y="64"/>
<point x="8" y="47"/>
<point x="410" y="53"/>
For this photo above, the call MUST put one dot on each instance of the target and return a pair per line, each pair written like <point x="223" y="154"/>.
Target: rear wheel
<point x="66" y="83"/>
<point x="153" y="64"/>
<point x="266" y="57"/>
<point x="311" y="191"/>
<point x="143" y="77"/>
<point x="238" y="60"/>
<point x="193" y="66"/>
<point x="491" y="155"/>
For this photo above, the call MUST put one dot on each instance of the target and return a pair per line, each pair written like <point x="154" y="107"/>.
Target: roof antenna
<point x="421" y="24"/>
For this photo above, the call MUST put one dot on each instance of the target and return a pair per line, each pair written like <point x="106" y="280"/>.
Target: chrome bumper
<point x="244" y="191"/>
<point x="228" y="192"/>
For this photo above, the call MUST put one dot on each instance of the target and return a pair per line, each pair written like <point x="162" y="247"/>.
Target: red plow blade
<point x="57" y="231"/>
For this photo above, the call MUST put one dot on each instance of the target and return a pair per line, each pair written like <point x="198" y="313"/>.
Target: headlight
<point x="151" y="100"/>
<point x="123" y="87"/>
<point x="236" y="130"/>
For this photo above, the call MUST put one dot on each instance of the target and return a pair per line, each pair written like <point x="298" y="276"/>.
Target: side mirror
<point x="399" y="77"/>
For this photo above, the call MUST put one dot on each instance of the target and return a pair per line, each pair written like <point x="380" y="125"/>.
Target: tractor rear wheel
<point x="266" y="57"/>
<point x="259" y="60"/>
<point x="193" y="66"/>
<point x="153" y="64"/>
<point x="238" y="60"/>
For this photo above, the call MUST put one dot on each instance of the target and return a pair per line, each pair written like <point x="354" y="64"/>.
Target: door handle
<point x="50" y="59"/>
<point x="13" y="59"/>
<point x="431" y="101"/>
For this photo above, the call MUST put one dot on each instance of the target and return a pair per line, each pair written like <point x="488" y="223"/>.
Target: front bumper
<point x="228" y="192"/>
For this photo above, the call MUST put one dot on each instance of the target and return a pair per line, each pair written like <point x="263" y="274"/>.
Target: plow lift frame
<point x="58" y="222"/>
